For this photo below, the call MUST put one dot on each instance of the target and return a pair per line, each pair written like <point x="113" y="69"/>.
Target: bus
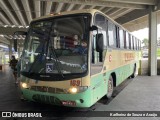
<point x="75" y="58"/>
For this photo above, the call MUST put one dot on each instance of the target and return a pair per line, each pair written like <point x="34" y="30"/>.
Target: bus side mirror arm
<point x="93" y="27"/>
<point x="15" y="39"/>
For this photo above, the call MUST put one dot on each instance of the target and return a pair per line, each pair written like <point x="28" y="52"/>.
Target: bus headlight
<point x="24" y="85"/>
<point x="77" y="89"/>
<point x="73" y="90"/>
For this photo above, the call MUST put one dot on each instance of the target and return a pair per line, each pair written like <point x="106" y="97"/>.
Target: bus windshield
<point x="57" y="46"/>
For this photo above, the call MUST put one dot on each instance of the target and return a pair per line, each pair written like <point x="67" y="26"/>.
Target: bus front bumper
<point x="83" y="99"/>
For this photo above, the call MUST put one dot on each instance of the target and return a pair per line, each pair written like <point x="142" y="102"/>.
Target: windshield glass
<point x="57" y="46"/>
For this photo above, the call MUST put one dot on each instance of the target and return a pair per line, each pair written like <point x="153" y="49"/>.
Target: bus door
<point x="98" y="57"/>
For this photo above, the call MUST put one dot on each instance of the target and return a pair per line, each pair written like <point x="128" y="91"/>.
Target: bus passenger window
<point x="133" y="42"/>
<point x="121" y="36"/>
<point x="137" y="44"/>
<point x="127" y="40"/>
<point x="124" y="39"/>
<point x="111" y="34"/>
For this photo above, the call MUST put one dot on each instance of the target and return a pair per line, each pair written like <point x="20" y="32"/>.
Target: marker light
<point x="73" y="90"/>
<point x="24" y="85"/>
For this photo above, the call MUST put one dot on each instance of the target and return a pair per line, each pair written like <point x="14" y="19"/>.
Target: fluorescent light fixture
<point x="1" y="35"/>
<point x="5" y="25"/>
<point x="21" y="26"/>
<point x="13" y="26"/>
<point x="27" y="26"/>
<point x="3" y="46"/>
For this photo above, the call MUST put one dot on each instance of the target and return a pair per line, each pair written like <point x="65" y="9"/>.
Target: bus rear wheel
<point x="110" y="88"/>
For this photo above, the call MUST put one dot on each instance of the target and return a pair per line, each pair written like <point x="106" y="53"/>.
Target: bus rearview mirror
<point x="93" y="28"/>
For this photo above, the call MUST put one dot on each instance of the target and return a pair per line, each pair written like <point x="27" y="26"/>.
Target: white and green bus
<point x="53" y="71"/>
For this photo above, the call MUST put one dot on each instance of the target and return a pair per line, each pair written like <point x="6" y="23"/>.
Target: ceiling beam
<point x="27" y="10"/>
<point x="101" y="3"/>
<point x="108" y="9"/>
<point x="143" y="2"/>
<point x="17" y="11"/>
<point x="1" y="22"/>
<point x="7" y="37"/>
<point x="135" y="27"/>
<point x="48" y="7"/>
<point x="4" y="19"/>
<point x="101" y="8"/>
<point x="60" y="5"/>
<point x="132" y="16"/>
<point x="8" y="12"/>
<point x="37" y="5"/>
<point x="4" y="40"/>
<point x="81" y="7"/>
<point x="92" y="7"/>
<point x="112" y="11"/>
<point x="10" y="36"/>
<point x="120" y="13"/>
<point x="10" y="30"/>
<point x="70" y="7"/>
<point x="117" y="11"/>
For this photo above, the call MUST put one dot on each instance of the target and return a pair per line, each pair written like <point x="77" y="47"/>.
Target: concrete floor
<point x="139" y="94"/>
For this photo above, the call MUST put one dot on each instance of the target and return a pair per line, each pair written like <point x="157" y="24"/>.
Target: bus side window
<point x="131" y="43"/>
<point x="136" y="44"/>
<point x="94" y="53"/>
<point x="139" y="45"/>
<point x="121" y="36"/>
<point x="127" y="40"/>
<point x="111" y="34"/>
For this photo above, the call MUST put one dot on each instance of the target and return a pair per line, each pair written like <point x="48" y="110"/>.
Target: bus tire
<point x="134" y="72"/>
<point x="110" y="87"/>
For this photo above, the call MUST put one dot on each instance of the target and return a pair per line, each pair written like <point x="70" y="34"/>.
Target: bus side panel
<point x="122" y="69"/>
<point x="99" y="86"/>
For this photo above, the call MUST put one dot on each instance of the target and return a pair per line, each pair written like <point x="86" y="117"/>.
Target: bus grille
<point x="46" y="99"/>
<point x="48" y="89"/>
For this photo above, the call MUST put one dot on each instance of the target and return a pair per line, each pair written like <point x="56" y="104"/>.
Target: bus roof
<point x="91" y="11"/>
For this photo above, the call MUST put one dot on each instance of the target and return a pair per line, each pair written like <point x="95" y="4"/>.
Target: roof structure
<point x="17" y="14"/>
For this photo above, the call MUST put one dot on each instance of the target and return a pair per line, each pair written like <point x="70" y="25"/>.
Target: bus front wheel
<point x="110" y="87"/>
<point x="134" y="72"/>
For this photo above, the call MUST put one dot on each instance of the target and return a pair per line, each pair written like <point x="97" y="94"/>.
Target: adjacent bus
<point x="75" y="58"/>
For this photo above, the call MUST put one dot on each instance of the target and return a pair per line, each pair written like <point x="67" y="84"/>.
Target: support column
<point x="152" y="60"/>
<point x="4" y="58"/>
<point x="19" y="52"/>
<point x="1" y="58"/>
<point x="10" y="50"/>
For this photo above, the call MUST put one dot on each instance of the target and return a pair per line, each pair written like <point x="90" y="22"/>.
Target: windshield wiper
<point x="38" y="57"/>
<point x="56" y="60"/>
